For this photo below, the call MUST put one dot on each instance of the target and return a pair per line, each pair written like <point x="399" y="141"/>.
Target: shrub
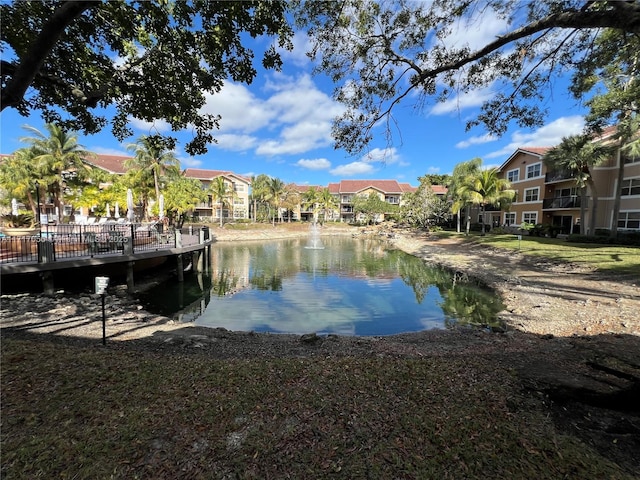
<point x="23" y="220"/>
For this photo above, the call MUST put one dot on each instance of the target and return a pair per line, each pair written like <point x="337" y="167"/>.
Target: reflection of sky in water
<point x="349" y="288"/>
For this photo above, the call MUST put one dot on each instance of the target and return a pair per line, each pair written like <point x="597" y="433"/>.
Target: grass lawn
<point x="109" y="412"/>
<point x="606" y="258"/>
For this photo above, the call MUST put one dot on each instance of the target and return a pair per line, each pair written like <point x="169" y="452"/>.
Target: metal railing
<point x="561" y="202"/>
<point x="59" y="242"/>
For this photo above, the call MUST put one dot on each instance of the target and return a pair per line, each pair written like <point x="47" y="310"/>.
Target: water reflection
<point x="351" y="287"/>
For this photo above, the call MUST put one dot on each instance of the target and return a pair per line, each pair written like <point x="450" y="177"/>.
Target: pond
<point x="346" y="286"/>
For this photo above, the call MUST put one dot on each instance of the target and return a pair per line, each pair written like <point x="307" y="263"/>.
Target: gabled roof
<point x="439" y="189"/>
<point x="203" y="174"/>
<point x="385" y="186"/>
<point x="110" y="163"/>
<point x="535" y="151"/>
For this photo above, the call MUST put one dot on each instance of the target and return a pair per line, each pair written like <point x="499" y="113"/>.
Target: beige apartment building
<point x="549" y="197"/>
<point x="210" y="210"/>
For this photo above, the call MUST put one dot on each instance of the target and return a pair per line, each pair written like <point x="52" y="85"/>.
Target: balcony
<point x="561" y="202"/>
<point x="551" y="177"/>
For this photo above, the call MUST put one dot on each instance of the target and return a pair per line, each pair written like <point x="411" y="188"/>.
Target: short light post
<point x="38" y="203"/>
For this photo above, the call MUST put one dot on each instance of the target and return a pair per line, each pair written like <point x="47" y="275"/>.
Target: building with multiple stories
<point x="545" y="196"/>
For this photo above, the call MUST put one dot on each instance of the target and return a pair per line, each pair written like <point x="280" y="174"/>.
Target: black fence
<point x="59" y="242"/>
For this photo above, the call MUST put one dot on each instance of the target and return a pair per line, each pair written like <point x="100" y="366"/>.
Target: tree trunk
<point x="594" y="207"/>
<point x="458" y="229"/>
<point x="583" y="211"/>
<point x="618" y="195"/>
<point x="468" y="219"/>
<point x="482" y="214"/>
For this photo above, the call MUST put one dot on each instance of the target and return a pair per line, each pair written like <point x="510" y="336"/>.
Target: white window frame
<point x="630" y="184"/>
<point x="623" y="220"/>
<point x="509" y="218"/>
<point x="516" y="172"/>
<point x="524" y="217"/>
<point x="524" y="197"/>
<point x="532" y="167"/>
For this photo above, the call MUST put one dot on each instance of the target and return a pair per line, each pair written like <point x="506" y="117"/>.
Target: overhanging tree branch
<point x="37" y="53"/>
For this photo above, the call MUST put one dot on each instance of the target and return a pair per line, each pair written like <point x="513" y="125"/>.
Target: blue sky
<point x="280" y="125"/>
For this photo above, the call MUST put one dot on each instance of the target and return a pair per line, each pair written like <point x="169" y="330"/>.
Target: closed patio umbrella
<point x="130" y="213"/>
<point x="117" y="211"/>
<point x="161" y="207"/>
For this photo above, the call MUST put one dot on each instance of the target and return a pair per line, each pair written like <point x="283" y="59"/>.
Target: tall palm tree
<point x="258" y="192"/>
<point x="152" y="158"/>
<point x="458" y="194"/>
<point x="56" y="153"/>
<point x="221" y="193"/>
<point x="326" y="202"/>
<point x="487" y="188"/>
<point x="275" y="189"/>
<point x="310" y="199"/>
<point x="577" y="155"/>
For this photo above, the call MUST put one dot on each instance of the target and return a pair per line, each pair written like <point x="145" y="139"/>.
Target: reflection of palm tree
<point x="467" y="304"/>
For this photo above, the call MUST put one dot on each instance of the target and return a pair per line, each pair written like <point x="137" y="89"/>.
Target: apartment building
<point x="211" y="209"/>
<point x="390" y="191"/>
<point x="551" y="197"/>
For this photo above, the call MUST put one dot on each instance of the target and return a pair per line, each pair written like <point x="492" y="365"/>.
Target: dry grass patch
<point x="71" y="412"/>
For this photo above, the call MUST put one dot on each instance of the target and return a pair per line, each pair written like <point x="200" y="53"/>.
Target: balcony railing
<point x="561" y="202"/>
<point x="551" y="177"/>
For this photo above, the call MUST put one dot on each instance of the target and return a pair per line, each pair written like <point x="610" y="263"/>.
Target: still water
<point x="349" y="287"/>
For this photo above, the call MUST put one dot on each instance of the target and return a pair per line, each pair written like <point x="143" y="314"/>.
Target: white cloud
<point x="379" y="155"/>
<point x="190" y="162"/>
<point x="109" y="151"/>
<point x="476" y="140"/>
<point x="240" y="109"/>
<point x="547" y="136"/>
<point x="150" y="128"/>
<point x="293" y="117"/>
<point x="477" y="30"/>
<point x="474" y="98"/>
<point x="314" y="164"/>
<point x="297" y="56"/>
<point x="237" y="143"/>
<point x="352" y="169"/>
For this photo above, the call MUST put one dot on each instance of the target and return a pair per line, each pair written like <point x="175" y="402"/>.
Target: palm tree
<point x="221" y="193"/>
<point x="55" y="155"/>
<point x="487" y="188"/>
<point x="275" y="189"/>
<point x="458" y="196"/>
<point x="17" y="175"/>
<point x="290" y="199"/>
<point x="310" y="199"/>
<point x="151" y="157"/>
<point x="258" y="192"/>
<point x="326" y="202"/>
<point x="576" y="155"/>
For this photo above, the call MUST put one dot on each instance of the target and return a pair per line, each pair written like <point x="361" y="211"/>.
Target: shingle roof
<point x="110" y="163"/>
<point x="204" y="174"/>
<point x="355" y="186"/>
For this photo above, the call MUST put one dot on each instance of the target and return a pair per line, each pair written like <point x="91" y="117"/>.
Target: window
<point x="631" y="187"/>
<point x="534" y="170"/>
<point x="628" y="159"/>
<point x="513" y="175"/>
<point x="238" y="188"/>
<point x="630" y="220"/>
<point x="510" y="218"/>
<point x="531" y="194"/>
<point x="530" y="217"/>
